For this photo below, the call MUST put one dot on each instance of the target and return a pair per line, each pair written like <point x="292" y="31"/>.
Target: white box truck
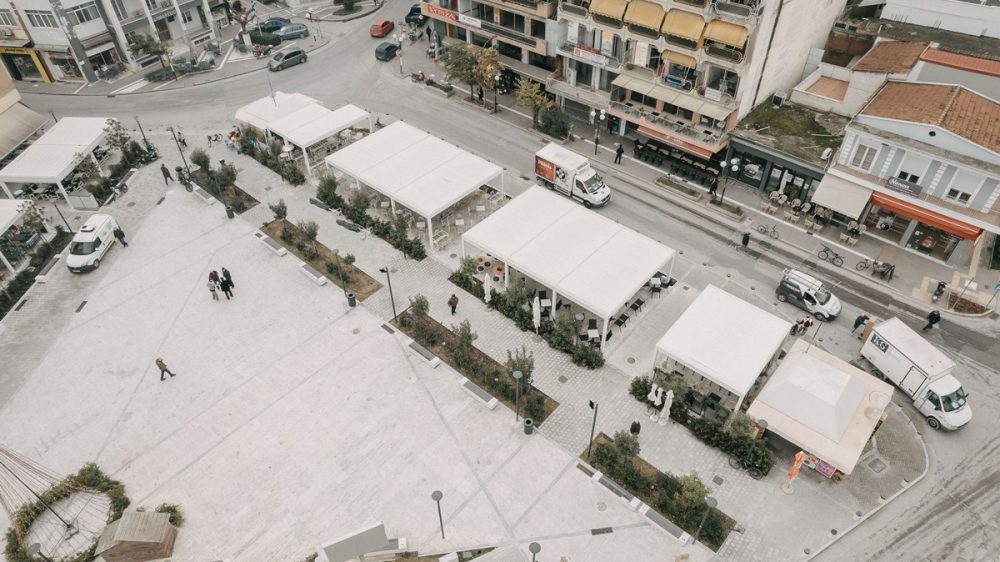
<point x="899" y="355"/>
<point x="571" y="174"/>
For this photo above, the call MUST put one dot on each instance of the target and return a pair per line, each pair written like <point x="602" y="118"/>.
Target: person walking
<point x="163" y="368"/>
<point x="480" y="93"/>
<point x="635" y="428"/>
<point x="745" y="242"/>
<point x="227" y="288"/>
<point x="618" y="153"/>
<point x="166" y="174"/>
<point x="453" y="303"/>
<point x="120" y="237"/>
<point x="933" y="318"/>
<point x="860" y="321"/>
<point x="428" y="33"/>
<point x="214" y="276"/>
<point x="228" y="277"/>
<point x="209" y="141"/>
<point x="181" y="140"/>
<point x="213" y="286"/>
<point x="713" y="188"/>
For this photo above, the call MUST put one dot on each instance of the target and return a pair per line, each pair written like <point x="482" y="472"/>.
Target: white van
<point x="90" y="244"/>
<point x="808" y="293"/>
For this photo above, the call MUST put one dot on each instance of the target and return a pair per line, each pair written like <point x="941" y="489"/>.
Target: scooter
<point x="418" y="76"/>
<point x="941" y="286"/>
<point x="261" y="51"/>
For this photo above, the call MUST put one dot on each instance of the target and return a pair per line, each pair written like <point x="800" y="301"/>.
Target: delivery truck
<point x="571" y="174"/>
<point x="899" y="355"/>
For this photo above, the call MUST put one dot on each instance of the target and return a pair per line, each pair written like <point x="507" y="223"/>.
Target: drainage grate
<point x="877" y="465"/>
<point x="717" y="480"/>
<point x="602" y="531"/>
<point x="82" y="304"/>
<point x="25" y="301"/>
<point x="387" y="328"/>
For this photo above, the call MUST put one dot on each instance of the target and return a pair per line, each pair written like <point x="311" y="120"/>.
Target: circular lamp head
<point x="436" y="495"/>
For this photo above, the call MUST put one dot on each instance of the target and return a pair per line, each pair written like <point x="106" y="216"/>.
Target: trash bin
<point x="529" y="426"/>
<point x="229" y="211"/>
<point x="351" y="301"/>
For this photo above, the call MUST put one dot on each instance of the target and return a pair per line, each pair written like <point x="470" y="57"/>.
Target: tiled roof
<point x="963" y="62"/>
<point x="891" y="56"/>
<point x="954" y="108"/>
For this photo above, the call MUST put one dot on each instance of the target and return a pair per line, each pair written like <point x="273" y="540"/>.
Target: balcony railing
<point x="682" y="42"/>
<point x="738" y="9"/>
<point x="723" y="52"/>
<point x="574" y="9"/>
<point x="516" y="36"/>
<point x="670" y="123"/>
<point x="679" y="82"/>
<point x="604" y="20"/>
<point x="698" y="3"/>
<point x="590" y="54"/>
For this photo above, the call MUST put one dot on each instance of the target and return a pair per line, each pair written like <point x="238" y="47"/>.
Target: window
<point x="187" y="16"/>
<point x="905" y="176"/>
<point x="863" y="157"/>
<point x="913" y="168"/>
<point x="41" y="18"/>
<point x="7" y="18"/>
<point x="964" y="186"/>
<point x="960" y="196"/>
<point x="83" y="13"/>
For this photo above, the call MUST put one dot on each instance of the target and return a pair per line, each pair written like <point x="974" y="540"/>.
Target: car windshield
<point x="822" y="296"/>
<point x="953" y="401"/>
<point x="278" y="57"/>
<point x="593" y="183"/>
<point x="81" y="248"/>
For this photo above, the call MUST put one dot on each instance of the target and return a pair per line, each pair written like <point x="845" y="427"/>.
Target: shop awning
<point x="645" y="14"/>
<point x="678" y="59"/>
<point x="613" y="9"/>
<point x="728" y="33"/>
<point x="926" y="216"/>
<point x="19" y="123"/>
<point x="683" y="24"/>
<point x="633" y="84"/>
<point x="701" y="106"/>
<point x="842" y="196"/>
<point x="690" y="148"/>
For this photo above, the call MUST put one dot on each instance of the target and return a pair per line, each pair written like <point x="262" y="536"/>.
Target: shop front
<point x="24" y="64"/>
<point x="920" y="229"/>
<point x="769" y="171"/>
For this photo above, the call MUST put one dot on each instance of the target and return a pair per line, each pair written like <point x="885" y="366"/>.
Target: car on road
<point x="414" y="17"/>
<point x="286" y="58"/>
<point x="386" y="51"/>
<point x="294" y="31"/>
<point x="271" y="25"/>
<point x="381" y="28"/>
<point x="808" y="293"/>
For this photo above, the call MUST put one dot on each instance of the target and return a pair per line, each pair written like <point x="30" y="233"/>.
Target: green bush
<point x="291" y="173"/>
<point x="160" y="75"/>
<point x="419" y="305"/>
<point x="176" y="515"/>
<point x="201" y="159"/>
<point x="587" y="356"/>
<point x="471" y="285"/>
<point x="534" y="406"/>
<point x="336" y="271"/>
<point x="258" y="38"/>
<point x="639" y="388"/>
<point x="554" y="122"/>
<point x="326" y="192"/>
<point x="280" y="211"/>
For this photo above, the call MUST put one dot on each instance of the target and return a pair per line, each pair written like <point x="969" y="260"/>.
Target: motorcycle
<point x="418" y="76"/>
<point x="941" y="286"/>
<point x="184" y="178"/>
<point x="261" y="51"/>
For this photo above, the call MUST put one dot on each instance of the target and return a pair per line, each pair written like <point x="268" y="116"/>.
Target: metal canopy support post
<point x="6" y="190"/>
<point x="6" y="263"/>
<point x="604" y="335"/>
<point x="65" y="195"/>
<point x="430" y="236"/>
<point x="100" y="171"/>
<point x="506" y="275"/>
<point x="305" y="157"/>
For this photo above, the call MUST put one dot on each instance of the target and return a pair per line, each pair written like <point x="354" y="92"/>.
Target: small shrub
<point x="309" y="230"/>
<point x="633" y="479"/>
<point x="176" y="515"/>
<point x="587" y="356"/>
<point x="310" y="254"/>
<point x="201" y="159"/>
<point x="286" y="236"/>
<point x="554" y="122"/>
<point x="626" y="444"/>
<point x="349" y="259"/>
<point x="604" y="456"/>
<point x="280" y="210"/>
<point x="688" y="503"/>
<point x="639" y="388"/>
<point x="464" y="346"/>
<point x="292" y="174"/>
<point x="419" y="305"/>
<point x="524" y="361"/>
<point x="534" y="405"/>
<point x="327" y="192"/>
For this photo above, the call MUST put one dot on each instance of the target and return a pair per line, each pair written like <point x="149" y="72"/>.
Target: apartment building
<point x="682" y="72"/>
<point x="88" y="40"/>
<point x="17" y="121"/>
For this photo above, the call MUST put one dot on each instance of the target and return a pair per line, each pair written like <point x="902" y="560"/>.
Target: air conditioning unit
<point x="826" y="154"/>
<point x="6" y="32"/>
<point x="778" y="98"/>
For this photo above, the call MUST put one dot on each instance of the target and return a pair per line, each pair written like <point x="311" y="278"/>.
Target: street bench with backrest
<point x="310" y="272"/>
<point x="479" y="394"/>
<point x="271" y="244"/>
<point x="424" y="354"/>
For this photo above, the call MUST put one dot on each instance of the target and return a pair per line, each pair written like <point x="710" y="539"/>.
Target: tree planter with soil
<point x="684" y="190"/>
<point x="220" y="183"/>
<point x="729" y="209"/>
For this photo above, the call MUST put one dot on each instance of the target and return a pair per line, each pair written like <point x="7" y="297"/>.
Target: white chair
<point x="480" y="211"/>
<point x="421" y="225"/>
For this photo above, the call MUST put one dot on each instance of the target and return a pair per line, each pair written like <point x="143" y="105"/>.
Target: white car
<point x="89" y="245"/>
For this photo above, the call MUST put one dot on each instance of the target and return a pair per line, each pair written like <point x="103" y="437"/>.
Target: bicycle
<point x="827" y="254"/>
<point x="739" y="464"/>
<point x="769" y="229"/>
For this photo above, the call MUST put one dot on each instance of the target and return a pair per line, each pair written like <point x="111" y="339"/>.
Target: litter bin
<point x="229" y="211"/>
<point x="351" y="301"/>
<point x="529" y="426"/>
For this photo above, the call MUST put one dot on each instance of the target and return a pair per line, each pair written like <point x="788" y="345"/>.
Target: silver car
<point x="286" y="58"/>
<point x="293" y="31"/>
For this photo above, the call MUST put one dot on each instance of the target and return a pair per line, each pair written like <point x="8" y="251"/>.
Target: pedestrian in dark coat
<point x="713" y="188"/>
<point x="635" y="428"/>
<point x="746" y="240"/>
<point x="214" y="276"/>
<point x="228" y="277"/>
<point x="618" y="153"/>
<point x="428" y="33"/>
<point x="480" y="93"/>
<point x="166" y="174"/>
<point x="227" y="288"/>
<point x="120" y="236"/>
<point x="933" y="318"/>
<point x="453" y="303"/>
<point x="860" y="321"/>
<point x="163" y="368"/>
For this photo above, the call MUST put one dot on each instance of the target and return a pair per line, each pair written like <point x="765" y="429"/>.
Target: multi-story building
<point x="683" y="72"/>
<point x="88" y="39"/>
<point x="17" y="121"/>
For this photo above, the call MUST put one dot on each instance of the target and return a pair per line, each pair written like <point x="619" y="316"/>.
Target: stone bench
<point x="479" y="394"/>
<point x="662" y="522"/>
<point x="319" y="203"/>
<point x="424" y="354"/>
<point x="43" y="274"/>
<point x="310" y="272"/>
<point x="206" y="196"/>
<point x="271" y="244"/>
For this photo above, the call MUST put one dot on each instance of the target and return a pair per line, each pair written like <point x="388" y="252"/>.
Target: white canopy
<point x="19" y="123"/>
<point x="725" y="339"/>
<point x="841" y="195"/>
<point x="822" y="404"/>
<point x="591" y="260"/>
<point x="414" y="168"/>
<point x="267" y="110"/>
<point x="314" y="123"/>
<point x="54" y="155"/>
<point x="9" y="213"/>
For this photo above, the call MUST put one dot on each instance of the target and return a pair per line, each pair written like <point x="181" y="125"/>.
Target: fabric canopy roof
<point x="717" y="320"/>
<point x="314" y="123"/>
<point x="926" y="216"/>
<point x="54" y="155"/>
<point x="673" y="96"/>
<point x="613" y="9"/>
<point x="645" y="14"/>
<point x="267" y="110"/>
<point x="728" y="33"/>
<point x="679" y="59"/>
<point x="19" y="123"/>
<point x="581" y="255"/>
<point x="414" y="168"/>
<point x="841" y="195"/>
<point x="822" y="404"/>
<point x="683" y="24"/>
<point x="9" y="213"/>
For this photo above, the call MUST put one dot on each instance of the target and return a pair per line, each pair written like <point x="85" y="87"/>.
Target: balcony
<point x="745" y="9"/>
<point x="708" y="138"/>
<point x="512" y="35"/>
<point x="541" y="9"/>
<point x="721" y="51"/>
<point x="578" y="10"/>
<point x="696" y="3"/>
<point x="681" y="42"/>
<point x="685" y="83"/>
<point x="591" y="55"/>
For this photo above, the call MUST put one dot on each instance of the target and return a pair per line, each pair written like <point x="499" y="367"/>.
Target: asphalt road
<point x="952" y="514"/>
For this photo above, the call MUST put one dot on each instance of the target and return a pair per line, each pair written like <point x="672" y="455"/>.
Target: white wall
<point x="953" y="15"/>
<point x="942" y="138"/>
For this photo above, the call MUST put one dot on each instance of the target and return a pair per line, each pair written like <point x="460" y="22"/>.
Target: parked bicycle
<point x="876" y="266"/>
<point x="740" y="464"/>
<point x="769" y="229"/>
<point x="827" y="254"/>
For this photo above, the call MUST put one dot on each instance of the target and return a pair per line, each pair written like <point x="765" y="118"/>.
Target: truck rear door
<point x="912" y="381"/>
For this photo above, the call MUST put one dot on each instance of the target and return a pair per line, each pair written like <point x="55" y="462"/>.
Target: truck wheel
<point x="97" y="263"/>
<point x="878" y="374"/>
<point x="934" y="423"/>
<point x="588" y="204"/>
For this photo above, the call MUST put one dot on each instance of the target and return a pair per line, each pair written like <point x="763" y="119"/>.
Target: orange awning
<point x="930" y="218"/>
<point x="727" y="33"/>
<point x="683" y="24"/>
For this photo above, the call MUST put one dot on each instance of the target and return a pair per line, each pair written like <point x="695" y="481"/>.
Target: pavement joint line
<point x="503" y="463"/>
<point x="165" y="84"/>
<point x="569" y="465"/>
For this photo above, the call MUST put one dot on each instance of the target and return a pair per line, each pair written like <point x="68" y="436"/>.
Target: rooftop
<point x="952" y="41"/>
<point x="962" y="62"/>
<point x="891" y="56"/>
<point x="951" y="107"/>
<point x="829" y="88"/>
<point x="794" y="130"/>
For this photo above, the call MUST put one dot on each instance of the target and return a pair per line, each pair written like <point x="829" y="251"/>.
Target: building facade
<point x="17" y="122"/>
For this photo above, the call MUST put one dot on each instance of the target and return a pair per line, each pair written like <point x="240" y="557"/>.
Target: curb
<point x="351" y="18"/>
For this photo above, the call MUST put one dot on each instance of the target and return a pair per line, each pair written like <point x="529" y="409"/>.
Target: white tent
<point x="413" y="168"/>
<point x="591" y="260"/>
<point x="822" y="404"/>
<point x="10" y="212"/>
<point x="56" y="153"/>
<point x="264" y="111"/>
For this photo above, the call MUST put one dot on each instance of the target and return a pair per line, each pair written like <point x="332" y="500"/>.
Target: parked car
<point x="271" y="25"/>
<point x="294" y="31"/>
<point x="381" y="28"/>
<point x="286" y="58"/>
<point x="414" y="17"/>
<point x="808" y="293"/>
<point x="89" y="245"/>
<point x="386" y="51"/>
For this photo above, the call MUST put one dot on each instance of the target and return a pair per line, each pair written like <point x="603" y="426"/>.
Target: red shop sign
<point x="439" y="11"/>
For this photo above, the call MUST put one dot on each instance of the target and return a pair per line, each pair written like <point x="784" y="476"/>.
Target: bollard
<point x="529" y="426"/>
<point x="229" y="211"/>
<point x="351" y="301"/>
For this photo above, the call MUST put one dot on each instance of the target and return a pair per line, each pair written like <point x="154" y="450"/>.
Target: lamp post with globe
<point x="597" y="119"/>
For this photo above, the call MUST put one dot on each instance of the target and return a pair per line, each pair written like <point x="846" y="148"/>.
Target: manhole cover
<point x="877" y="465"/>
<point x="268" y="188"/>
<point x="728" y="275"/>
<point x="601" y="506"/>
<point x="131" y="204"/>
<point x="356" y="331"/>
<point x="562" y="378"/>
<point x="717" y="480"/>
<point x="631" y="360"/>
<point x="453" y="255"/>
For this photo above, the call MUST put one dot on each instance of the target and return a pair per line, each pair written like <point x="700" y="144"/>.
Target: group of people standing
<point x="222" y="283"/>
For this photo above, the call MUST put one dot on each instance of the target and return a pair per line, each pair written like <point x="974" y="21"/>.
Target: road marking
<point x="165" y="84"/>
<point x="84" y="85"/>
<point x="225" y="59"/>
<point x="292" y="44"/>
<point x="131" y="87"/>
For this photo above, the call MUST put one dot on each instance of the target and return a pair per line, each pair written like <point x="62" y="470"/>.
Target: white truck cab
<point x="571" y="174"/>
<point x="90" y="243"/>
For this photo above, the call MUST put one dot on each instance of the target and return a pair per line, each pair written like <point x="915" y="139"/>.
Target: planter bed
<point x="232" y="196"/>
<point x="684" y="190"/>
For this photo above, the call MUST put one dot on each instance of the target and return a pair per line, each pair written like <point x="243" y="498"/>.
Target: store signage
<point x="903" y="186"/>
<point x="469" y="21"/>
<point x="14" y="51"/>
<point x="589" y="56"/>
<point x="441" y="12"/>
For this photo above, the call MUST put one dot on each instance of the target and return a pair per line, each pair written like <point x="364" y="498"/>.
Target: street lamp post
<point x="534" y="548"/>
<point x="141" y="132"/>
<point x="597" y="119"/>
<point x="593" y="426"/>
<point x="436" y="496"/>
<point x="399" y="43"/>
<point x="496" y="86"/>
<point x="391" y="298"/>
<point x="70" y="527"/>
<point x="178" y="143"/>
<point x="35" y="549"/>
<point x="343" y="284"/>
<point x="710" y="504"/>
<point x="517" y="394"/>
<point x="734" y="166"/>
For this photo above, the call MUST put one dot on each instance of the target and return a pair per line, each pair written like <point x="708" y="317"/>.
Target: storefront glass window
<point x="932" y="242"/>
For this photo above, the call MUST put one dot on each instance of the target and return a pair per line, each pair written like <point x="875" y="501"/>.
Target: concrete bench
<point x="206" y="196"/>
<point x="615" y="488"/>
<point x="43" y="274"/>
<point x="310" y="272"/>
<point x="271" y="244"/>
<point x="370" y="544"/>
<point x="319" y="203"/>
<point x="423" y="353"/>
<point x="479" y="394"/>
<point x="662" y="522"/>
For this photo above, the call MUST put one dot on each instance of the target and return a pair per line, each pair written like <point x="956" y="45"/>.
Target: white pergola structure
<point x="721" y="344"/>
<point x="415" y="169"/>
<point x="55" y="154"/>
<point x="301" y="121"/>
<point x="10" y="213"/>
<point x="573" y="251"/>
<point x="824" y="405"/>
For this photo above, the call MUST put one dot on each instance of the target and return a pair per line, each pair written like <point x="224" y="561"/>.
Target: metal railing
<point x="511" y="34"/>
<point x="736" y="8"/>
<point x="574" y="9"/>
<point x="717" y="50"/>
<point x="669" y="122"/>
